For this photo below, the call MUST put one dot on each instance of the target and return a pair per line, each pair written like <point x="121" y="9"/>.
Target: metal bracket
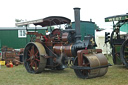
<point x="89" y="68"/>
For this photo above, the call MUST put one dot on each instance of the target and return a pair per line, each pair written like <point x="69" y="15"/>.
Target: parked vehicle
<point x="118" y="42"/>
<point x="52" y="51"/>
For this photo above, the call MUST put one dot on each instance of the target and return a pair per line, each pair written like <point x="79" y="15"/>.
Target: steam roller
<point x="54" y="50"/>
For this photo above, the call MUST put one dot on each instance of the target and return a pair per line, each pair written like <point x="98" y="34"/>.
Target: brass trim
<point x="53" y="48"/>
<point x="70" y="49"/>
<point x="61" y="48"/>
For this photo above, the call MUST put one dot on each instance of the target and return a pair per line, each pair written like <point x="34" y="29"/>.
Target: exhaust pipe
<point x="77" y="23"/>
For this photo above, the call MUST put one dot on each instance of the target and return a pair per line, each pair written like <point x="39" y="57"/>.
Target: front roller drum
<point x="34" y="61"/>
<point x="93" y="65"/>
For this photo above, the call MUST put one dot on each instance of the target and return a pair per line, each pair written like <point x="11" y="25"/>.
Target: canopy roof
<point x="117" y="18"/>
<point x="48" y="21"/>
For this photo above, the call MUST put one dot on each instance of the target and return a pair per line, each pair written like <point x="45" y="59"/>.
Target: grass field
<point x="116" y="75"/>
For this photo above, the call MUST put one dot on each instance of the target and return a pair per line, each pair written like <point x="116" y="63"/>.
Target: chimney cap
<point x="76" y="8"/>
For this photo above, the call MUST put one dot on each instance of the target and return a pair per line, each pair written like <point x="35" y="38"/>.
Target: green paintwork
<point x="0" y="48"/>
<point x="124" y="27"/>
<point x="117" y="50"/>
<point x="0" y="43"/>
<point x="10" y="38"/>
<point x="126" y="51"/>
<point x="86" y="28"/>
<point x="116" y="18"/>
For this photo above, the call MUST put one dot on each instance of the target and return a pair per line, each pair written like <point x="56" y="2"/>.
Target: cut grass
<point x="116" y="75"/>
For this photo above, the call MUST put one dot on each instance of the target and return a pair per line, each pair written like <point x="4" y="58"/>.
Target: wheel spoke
<point x="37" y="60"/>
<point x="36" y="53"/>
<point x="30" y="54"/>
<point x="32" y="50"/>
<point x="33" y="54"/>
<point x="35" y="65"/>
<point x="32" y="63"/>
<point x="84" y="72"/>
<point x="86" y="64"/>
<point x="28" y="59"/>
<point x="37" y="56"/>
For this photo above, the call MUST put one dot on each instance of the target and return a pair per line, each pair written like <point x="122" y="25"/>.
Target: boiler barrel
<point x="59" y="48"/>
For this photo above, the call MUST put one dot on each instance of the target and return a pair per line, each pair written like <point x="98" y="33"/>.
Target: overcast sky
<point x="96" y="10"/>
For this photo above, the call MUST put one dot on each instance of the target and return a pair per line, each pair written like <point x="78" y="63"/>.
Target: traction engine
<point x="53" y="51"/>
<point x="119" y="41"/>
